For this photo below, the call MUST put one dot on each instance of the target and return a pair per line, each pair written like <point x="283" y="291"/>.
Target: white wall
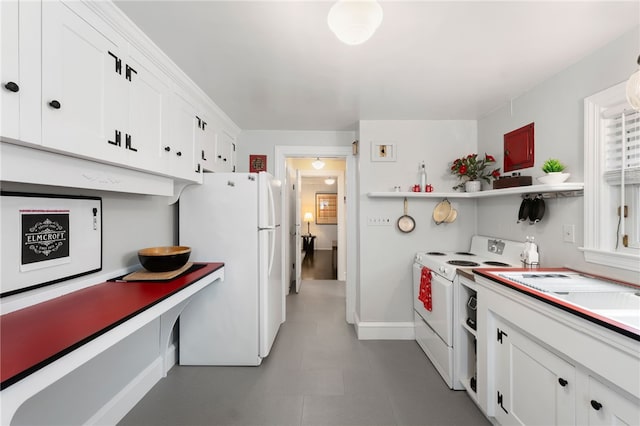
<point x="556" y="107"/>
<point x="386" y="254"/>
<point x="263" y="142"/>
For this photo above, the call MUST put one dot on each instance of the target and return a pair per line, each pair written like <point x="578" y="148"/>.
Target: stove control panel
<point x="495" y="246"/>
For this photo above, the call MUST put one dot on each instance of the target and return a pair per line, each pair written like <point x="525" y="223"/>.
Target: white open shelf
<point x="531" y="189"/>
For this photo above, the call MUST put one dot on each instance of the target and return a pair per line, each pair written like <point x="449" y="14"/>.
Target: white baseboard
<point x="115" y="410"/>
<point x="370" y="330"/>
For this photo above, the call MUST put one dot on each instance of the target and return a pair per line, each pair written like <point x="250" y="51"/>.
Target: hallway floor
<point x="319" y="266"/>
<point x="318" y="373"/>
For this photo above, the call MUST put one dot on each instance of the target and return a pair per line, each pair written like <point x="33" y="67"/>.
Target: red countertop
<point x="624" y="329"/>
<point x="35" y="336"/>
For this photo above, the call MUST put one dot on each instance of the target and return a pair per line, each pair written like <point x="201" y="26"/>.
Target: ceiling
<point x="275" y="65"/>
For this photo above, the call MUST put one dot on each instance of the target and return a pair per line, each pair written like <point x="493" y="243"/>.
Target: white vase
<point x="473" y="186"/>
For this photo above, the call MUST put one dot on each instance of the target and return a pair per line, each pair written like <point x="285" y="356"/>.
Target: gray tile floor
<point x="318" y="373"/>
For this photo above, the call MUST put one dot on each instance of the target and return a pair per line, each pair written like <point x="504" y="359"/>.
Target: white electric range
<point x="434" y="327"/>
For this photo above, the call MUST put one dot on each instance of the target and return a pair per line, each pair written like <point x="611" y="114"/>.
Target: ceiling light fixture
<point x="633" y="88"/>
<point x="354" y="21"/>
<point x="329" y="181"/>
<point x="318" y="164"/>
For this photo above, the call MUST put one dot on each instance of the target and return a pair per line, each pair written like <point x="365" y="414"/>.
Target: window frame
<point x="599" y="201"/>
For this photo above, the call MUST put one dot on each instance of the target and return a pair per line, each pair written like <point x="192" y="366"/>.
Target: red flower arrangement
<point x="472" y="168"/>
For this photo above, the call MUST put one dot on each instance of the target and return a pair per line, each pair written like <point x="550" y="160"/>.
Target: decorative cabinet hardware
<point x="203" y="157"/>
<point x="12" y="87"/>
<point x="500" y="334"/>
<point x="500" y="403"/>
<point x="128" y="72"/>
<point x="562" y="382"/>
<point x="127" y="143"/>
<point x="198" y="168"/>
<point x="118" y="63"/>
<point x="179" y="153"/>
<point x="117" y="140"/>
<point x="167" y="148"/>
<point x="596" y="405"/>
<point x="55" y="104"/>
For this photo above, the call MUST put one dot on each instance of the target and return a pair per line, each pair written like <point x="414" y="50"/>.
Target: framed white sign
<point x="47" y="239"/>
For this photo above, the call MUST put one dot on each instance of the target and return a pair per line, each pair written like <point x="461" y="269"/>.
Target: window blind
<point x="622" y="147"/>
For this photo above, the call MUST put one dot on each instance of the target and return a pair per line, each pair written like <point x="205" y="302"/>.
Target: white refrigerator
<point x="233" y="218"/>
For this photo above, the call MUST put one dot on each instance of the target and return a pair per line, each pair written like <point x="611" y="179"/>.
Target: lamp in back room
<point x="308" y="217"/>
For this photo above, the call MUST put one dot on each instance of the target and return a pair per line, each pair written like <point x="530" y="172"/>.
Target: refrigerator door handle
<point x="272" y="205"/>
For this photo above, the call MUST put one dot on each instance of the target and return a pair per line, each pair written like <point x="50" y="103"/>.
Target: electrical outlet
<point x="378" y="221"/>
<point x="569" y="233"/>
<point x="626" y="211"/>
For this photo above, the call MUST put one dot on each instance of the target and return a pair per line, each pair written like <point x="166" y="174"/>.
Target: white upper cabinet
<point x="79" y="79"/>
<point x="225" y="152"/>
<point x="145" y="128"/>
<point x="178" y="149"/>
<point x="81" y="91"/>
<point x="20" y="71"/>
<point x="206" y="140"/>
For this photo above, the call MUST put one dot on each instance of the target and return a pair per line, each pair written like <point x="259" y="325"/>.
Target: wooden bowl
<point x="164" y="259"/>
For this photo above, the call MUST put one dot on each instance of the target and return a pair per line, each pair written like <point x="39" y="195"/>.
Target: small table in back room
<point x="308" y="244"/>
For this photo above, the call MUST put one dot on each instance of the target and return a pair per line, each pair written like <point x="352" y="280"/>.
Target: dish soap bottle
<point x="423" y="177"/>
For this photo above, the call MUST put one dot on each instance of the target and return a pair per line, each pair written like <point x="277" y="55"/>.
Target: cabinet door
<point x="206" y="145"/>
<point x="532" y="385"/>
<point x="178" y="149"/>
<point x="225" y="152"/>
<point x="81" y="85"/>
<point x="20" y="65"/>
<point x="607" y="407"/>
<point x="147" y="101"/>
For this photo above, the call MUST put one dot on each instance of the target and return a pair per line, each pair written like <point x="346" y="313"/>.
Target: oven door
<point x="440" y="317"/>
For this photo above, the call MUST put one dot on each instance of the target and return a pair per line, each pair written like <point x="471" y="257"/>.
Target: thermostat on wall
<point x="383" y="151"/>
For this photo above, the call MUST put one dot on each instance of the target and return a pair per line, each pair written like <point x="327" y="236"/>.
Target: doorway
<point x="321" y="218"/>
<point x="292" y="229"/>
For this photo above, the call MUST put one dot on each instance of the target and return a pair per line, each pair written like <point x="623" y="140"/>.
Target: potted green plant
<point x="554" y="172"/>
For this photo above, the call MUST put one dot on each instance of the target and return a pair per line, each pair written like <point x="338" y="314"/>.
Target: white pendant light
<point x="633" y="88"/>
<point x="329" y="181"/>
<point x="318" y="164"/>
<point x="354" y="21"/>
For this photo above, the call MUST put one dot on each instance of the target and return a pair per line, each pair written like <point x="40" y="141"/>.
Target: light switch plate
<point x="569" y="233"/>
<point x="383" y="151"/>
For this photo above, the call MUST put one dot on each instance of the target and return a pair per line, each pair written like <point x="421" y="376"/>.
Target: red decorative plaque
<point x="257" y="163"/>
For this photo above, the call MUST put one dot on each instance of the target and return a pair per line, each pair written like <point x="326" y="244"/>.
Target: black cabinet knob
<point x="596" y="405"/>
<point x="54" y="104"/>
<point x="167" y="148"/>
<point x="562" y="382"/>
<point x="224" y="159"/>
<point x="219" y="156"/>
<point x="179" y="154"/>
<point x="12" y="87"/>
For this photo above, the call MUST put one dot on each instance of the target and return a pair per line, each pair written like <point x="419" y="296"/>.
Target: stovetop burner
<point x="462" y="263"/>
<point x="465" y="253"/>
<point x="495" y="263"/>
<point x="435" y="253"/>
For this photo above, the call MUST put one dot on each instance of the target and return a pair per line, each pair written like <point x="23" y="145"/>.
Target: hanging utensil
<point x="406" y="223"/>
<point x="537" y="210"/>
<point x="452" y="216"/>
<point x="441" y="211"/>
<point x="525" y="207"/>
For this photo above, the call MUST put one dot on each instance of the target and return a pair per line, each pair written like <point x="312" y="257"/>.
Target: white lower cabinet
<point x="532" y="385"/>
<point x="540" y="365"/>
<point x="607" y="407"/>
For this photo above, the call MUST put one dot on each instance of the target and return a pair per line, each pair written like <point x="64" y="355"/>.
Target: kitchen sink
<point x="608" y="299"/>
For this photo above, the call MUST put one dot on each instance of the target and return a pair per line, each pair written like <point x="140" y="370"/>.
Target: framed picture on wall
<point x="326" y="208"/>
<point x="257" y="163"/>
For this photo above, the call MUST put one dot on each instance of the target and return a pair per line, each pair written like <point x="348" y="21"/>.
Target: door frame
<point x="281" y="154"/>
